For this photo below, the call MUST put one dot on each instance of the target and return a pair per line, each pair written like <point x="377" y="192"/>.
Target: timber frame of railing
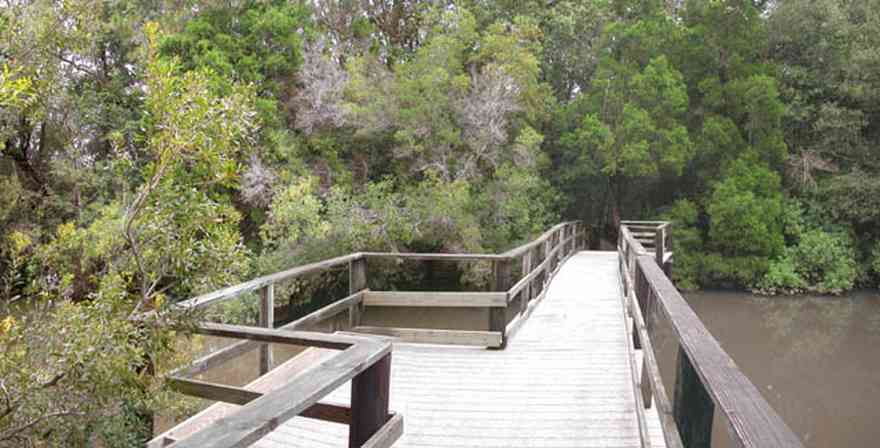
<point x="364" y="360"/>
<point x="706" y="377"/>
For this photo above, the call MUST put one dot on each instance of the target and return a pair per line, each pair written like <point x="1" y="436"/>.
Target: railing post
<point x="659" y="244"/>
<point x="267" y="320"/>
<point x="693" y="409"/>
<point x="526" y="294"/>
<point x="370" y="393"/>
<point x="498" y="315"/>
<point x="357" y="281"/>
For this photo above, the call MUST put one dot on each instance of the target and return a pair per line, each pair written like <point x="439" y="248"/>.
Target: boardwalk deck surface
<point x="563" y="381"/>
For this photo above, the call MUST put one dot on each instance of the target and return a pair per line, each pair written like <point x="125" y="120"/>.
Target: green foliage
<point x="69" y="373"/>
<point x="688" y="244"/>
<point x="875" y="258"/>
<point x="746" y="214"/>
<point x="250" y="42"/>
<point x="821" y="261"/>
<point x="746" y="211"/>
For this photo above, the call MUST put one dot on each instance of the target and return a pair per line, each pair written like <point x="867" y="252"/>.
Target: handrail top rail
<point x="523" y="248"/>
<point x="258" y="417"/>
<point x="233" y="291"/>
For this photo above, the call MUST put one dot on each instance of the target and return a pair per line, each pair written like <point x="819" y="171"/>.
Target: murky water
<point x="815" y="359"/>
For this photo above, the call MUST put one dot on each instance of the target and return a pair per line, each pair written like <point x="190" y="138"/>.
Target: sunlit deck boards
<point x="563" y="381"/>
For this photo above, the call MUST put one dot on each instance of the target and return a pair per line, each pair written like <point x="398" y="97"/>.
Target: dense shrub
<point x="821" y="261"/>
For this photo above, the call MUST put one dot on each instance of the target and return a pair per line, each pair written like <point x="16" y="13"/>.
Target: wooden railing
<point x="706" y="378"/>
<point x="364" y="360"/>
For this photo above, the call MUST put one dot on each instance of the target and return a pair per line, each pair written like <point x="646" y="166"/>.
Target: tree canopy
<point x="153" y="150"/>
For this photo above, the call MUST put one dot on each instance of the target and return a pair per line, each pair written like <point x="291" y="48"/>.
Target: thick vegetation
<point x="153" y="150"/>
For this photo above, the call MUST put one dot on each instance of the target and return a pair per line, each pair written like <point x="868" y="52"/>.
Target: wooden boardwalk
<point x="563" y="381"/>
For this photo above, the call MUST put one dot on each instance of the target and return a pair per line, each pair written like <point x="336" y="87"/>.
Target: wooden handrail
<point x="707" y="378"/>
<point x="366" y="361"/>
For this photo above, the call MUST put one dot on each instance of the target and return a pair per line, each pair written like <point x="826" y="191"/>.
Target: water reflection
<point x="814" y="358"/>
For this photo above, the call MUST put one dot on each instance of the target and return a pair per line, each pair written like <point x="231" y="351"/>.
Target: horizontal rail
<point x="433" y="257"/>
<point x="432" y="336"/>
<point x="435" y="299"/>
<point x="328" y="311"/>
<point x="260" y="282"/>
<point x="520" y="250"/>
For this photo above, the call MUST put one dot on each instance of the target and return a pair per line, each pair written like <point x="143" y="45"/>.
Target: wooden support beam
<point x="315" y="317"/>
<point x="498" y="316"/>
<point x="267" y="320"/>
<point x="526" y="293"/>
<point x="329" y="412"/>
<point x="390" y="432"/>
<point x="693" y="407"/>
<point x="436" y="299"/>
<point x="303" y="338"/>
<point x="212" y="391"/>
<point x="490" y="339"/>
<point x="370" y="391"/>
<point x="357" y="281"/>
<point x="434" y="257"/>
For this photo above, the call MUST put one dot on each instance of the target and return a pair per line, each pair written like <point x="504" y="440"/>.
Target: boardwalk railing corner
<point x="706" y="378"/>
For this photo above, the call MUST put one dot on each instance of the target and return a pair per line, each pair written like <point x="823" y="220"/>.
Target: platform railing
<point x="706" y="377"/>
<point x="368" y="358"/>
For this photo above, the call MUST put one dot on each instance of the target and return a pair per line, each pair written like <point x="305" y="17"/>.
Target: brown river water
<point x="815" y="359"/>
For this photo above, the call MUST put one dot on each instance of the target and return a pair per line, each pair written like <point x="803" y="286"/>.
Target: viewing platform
<point x="565" y="359"/>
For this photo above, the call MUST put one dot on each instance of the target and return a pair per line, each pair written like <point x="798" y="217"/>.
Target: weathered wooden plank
<point x="329" y="412"/>
<point x="546" y="236"/>
<point x="498" y="316"/>
<point x="435" y="299"/>
<point x="431" y="336"/>
<point x="357" y="281"/>
<point x="326" y="312"/>
<point x="212" y="391"/>
<point x="752" y="422"/>
<point x="267" y="320"/>
<point x="216" y="358"/>
<point x="257" y="283"/>
<point x="433" y="257"/>
<point x="303" y="338"/>
<point x="260" y="416"/>
<point x="390" y="433"/>
<point x="369" y="402"/>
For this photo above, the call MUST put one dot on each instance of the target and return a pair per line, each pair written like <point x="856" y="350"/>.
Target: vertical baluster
<point x="267" y="320"/>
